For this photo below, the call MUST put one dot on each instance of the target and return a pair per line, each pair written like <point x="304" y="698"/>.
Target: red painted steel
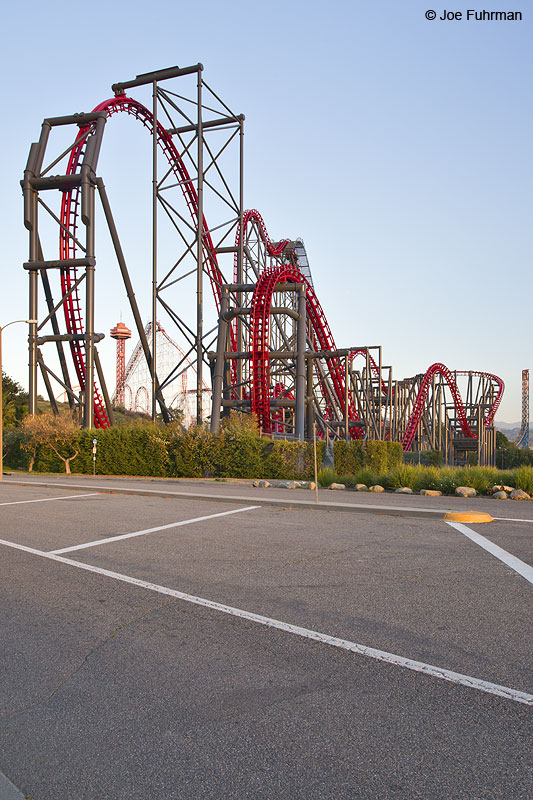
<point x="260" y="390"/>
<point x="69" y="219"/>
<point x="421" y="398"/>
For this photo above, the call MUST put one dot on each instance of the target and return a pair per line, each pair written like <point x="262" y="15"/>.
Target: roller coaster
<point x="271" y="351"/>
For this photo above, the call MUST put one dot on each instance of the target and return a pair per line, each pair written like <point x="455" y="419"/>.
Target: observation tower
<point x="120" y="332"/>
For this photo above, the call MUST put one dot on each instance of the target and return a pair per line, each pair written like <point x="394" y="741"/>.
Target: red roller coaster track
<point x="69" y="220"/>
<point x="421" y="398"/>
<point x="270" y="278"/>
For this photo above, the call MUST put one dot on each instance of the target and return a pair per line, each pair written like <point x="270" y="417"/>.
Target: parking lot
<point x="185" y="644"/>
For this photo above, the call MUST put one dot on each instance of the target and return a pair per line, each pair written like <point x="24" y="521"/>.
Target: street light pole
<point x="29" y="322"/>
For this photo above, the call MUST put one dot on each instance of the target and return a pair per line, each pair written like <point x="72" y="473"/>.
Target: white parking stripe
<point x="45" y="499"/>
<point x="150" y="530"/>
<point x="360" y="649"/>
<point x="521" y="567"/>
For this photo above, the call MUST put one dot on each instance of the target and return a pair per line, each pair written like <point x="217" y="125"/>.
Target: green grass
<point x="524" y="479"/>
<point x="366" y="476"/>
<point x="443" y="479"/>
<point x="326" y="477"/>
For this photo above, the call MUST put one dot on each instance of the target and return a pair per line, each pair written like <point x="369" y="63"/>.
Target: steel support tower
<point x="523" y="436"/>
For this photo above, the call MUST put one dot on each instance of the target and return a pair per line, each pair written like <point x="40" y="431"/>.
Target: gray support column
<point x="480" y="453"/>
<point x="346" y="395"/>
<point x="154" y="250"/>
<point x="47" y="383"/>
<point x="219" y="363"/>
<point x="301" y="339"/>
<point x="88" y="408"/>
<point x="240" y="259"/>
<point x="380" y="397"/>
<point x="199" y="257"/>
<point x="33" y="306"/>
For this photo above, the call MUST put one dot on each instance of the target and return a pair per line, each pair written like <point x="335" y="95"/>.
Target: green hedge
<point x="141" y="448"/>
<point x="378" y="457"/>
<point x="199" y="454"/>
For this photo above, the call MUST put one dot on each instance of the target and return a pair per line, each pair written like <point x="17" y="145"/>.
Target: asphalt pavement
<point x="115" y="684"/>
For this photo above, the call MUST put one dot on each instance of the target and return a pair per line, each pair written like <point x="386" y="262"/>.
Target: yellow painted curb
<point x="468" y="516"/>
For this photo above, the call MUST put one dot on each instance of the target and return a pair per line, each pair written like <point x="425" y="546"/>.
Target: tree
<point x="59" y="433"/>
<point x="502" y="442"/>
<point x="14" y="401"/>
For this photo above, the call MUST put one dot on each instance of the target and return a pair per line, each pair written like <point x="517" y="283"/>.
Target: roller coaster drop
<point x="275" y="353"/>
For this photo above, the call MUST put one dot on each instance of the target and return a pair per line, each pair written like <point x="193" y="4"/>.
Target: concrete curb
<point x="7" y="790"/>
<point x="354" y="508"/>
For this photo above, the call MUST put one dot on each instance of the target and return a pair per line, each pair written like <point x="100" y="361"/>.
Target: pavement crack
<point x="85" y="659"/>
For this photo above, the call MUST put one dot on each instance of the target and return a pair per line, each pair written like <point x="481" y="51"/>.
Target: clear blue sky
<point x="398" y="148"/>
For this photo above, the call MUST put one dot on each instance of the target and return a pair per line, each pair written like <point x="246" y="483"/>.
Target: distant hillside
<point x="512" y="430"/>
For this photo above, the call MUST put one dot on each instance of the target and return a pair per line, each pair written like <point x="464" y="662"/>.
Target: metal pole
<point x="299" y="422"/>
<point x="199" y="257"/>
<point x="316" y="468"/>
<point x="154" y="248"/>
<point x="240" y="256"/>
<point x="310" y="415"/>
<point x="219" y="363"/>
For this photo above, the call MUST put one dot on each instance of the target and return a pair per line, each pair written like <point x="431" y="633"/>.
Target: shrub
<point x="348" y="480"/>
<point x="326" y="477"/>
<point x="403" y="475"/>
<point x="447" y="483"/>
<point x="192" y="453"/>
<point x="348" y="457"/>
<point x="427" y="478"/>
<point x="367" y="477"/>
<point x="136" y="448"/>
<point x="292" y="460"/>
<point x="524" y="479"/>
<point x="14" y="456"/>
<point x="436" y="458"/>
<point x="379" y="457"/>
<point x="479" y="478"/>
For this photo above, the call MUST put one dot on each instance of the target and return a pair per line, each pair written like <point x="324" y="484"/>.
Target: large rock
<point x="500" y="495"/>
<point x="431" y="492"/>
<point x="337" y="486"/>
<point x="377" y="488"/>
<point x="306" y="484"/>
<point x="403" y="490"/>
<point x="519" y="494"/>
<point x="465" y="491"/>
<point x="361" y="487"/>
